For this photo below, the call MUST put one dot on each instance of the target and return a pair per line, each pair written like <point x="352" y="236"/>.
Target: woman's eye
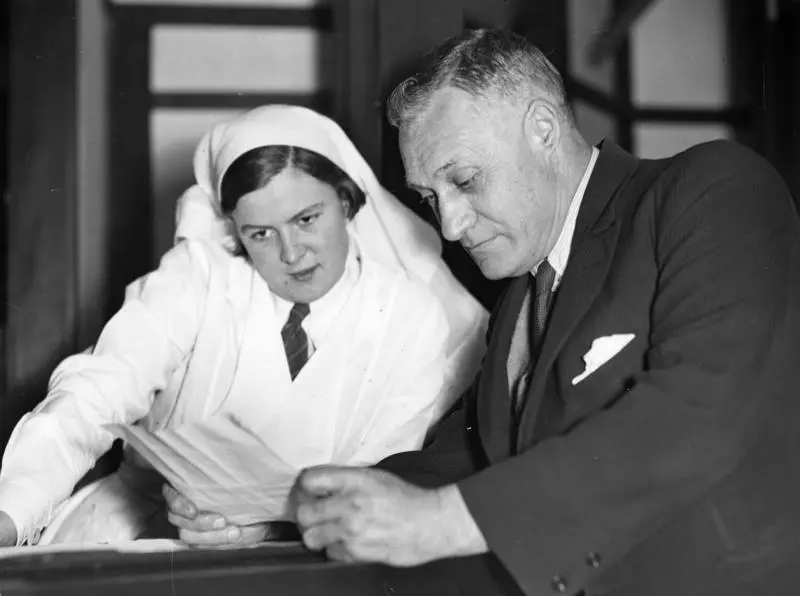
<point x="307" y="220"/>
<point x="260" y="235"/>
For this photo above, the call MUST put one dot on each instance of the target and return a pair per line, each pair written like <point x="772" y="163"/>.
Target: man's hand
<point x="359" y="514"/>
<point x="204" y="529"/>
<point x="8" y="531"/>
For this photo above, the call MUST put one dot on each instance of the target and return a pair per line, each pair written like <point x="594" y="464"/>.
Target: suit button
<point x="593" y="560"/>
<point x="559" y="584"/>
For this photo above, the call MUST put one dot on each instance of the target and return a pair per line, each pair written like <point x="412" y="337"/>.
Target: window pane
<point x="256" y="59"/>
<point x="265" y="3"/>
<point x="663" y="140"/>
<point x="679" y="54"/>
<point x="174" y="135"/>
<point x="585" y="19"/>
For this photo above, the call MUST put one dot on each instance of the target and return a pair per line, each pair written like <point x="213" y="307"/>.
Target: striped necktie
<point x="295" y="340"/>
<point x="541" y="300"/>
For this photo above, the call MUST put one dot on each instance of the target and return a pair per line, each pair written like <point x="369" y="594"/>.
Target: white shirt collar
<point x="325" y="310"/>
<point x="559" y="256"/>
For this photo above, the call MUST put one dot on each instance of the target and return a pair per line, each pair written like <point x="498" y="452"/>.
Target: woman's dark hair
<point x="255" y="168"/>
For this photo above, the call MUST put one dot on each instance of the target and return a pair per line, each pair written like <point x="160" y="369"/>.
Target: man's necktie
<point x="539" y="310"/>
<point x="542" y="300"/>
<point x="295" y="340"/>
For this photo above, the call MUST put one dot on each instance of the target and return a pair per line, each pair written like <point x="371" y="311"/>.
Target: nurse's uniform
<point x="394" y="343"/>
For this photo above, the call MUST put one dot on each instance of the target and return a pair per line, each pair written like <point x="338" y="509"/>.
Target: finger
<point x="323" y="536"/>
<point x="202" y="522"/>
<point x="177" y="503"/>
<point x="339" y="552"/>
<point x="323" y="481"/>
<point x="228" y="536"/>
<point x="327" y="510"/>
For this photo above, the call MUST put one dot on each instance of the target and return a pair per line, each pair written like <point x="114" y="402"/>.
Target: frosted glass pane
<point x="174" y="135"/>
<point x="679" y="54"/>
<point x="256" y="59"/>
<point x="585" y="19"/>
<point x="264" y="3"/>
<point x="663" y="140"/>
<point x="593" y="123"/>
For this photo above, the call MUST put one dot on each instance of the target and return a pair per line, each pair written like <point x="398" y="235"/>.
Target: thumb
<point x="323" y="481"/>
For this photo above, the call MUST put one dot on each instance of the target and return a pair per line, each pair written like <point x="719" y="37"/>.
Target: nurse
<point x="300" y="296"/>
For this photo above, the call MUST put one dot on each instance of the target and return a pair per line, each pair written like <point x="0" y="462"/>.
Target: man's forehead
<point x="431" y="148"/>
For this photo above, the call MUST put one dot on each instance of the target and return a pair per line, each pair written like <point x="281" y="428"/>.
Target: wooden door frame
<point x="41" y="263"/>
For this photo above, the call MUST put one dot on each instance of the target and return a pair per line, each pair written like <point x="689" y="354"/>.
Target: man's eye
<point x="430" y="200"/>
<point x="467" y="183"/>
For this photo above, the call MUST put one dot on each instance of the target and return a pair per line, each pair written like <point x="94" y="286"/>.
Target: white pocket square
<point x="603" y="349"/>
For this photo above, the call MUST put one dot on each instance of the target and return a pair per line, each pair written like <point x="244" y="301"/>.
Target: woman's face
<point x="295" y="231"/>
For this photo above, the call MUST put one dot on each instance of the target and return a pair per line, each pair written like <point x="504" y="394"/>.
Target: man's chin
<point x="493" y="270"/>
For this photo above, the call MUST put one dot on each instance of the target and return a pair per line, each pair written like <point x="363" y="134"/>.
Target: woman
<point x="300" y="296"/>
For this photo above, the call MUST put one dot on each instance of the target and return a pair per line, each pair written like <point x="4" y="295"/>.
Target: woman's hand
<point x="204" y="529"/>
<point x="8" y="531"/>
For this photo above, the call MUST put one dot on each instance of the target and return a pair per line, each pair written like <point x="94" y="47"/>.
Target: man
<point x="641" y="440"/>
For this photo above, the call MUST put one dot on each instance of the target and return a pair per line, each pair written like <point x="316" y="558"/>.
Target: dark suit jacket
<point x="673" y="469"/>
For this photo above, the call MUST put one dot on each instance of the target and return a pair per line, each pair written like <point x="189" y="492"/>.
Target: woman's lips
<point x="304" y="275"/>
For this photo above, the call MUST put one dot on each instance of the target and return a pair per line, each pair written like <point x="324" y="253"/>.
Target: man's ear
<point x="542" y="125"/>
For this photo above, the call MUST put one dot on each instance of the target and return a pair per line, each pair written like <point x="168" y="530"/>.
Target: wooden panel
<point x="4" y="90"/>
<point x="357" y="104"/>
<point x="41" y="201"/>
<point x="545" y="24"/>
<point x="317" y="17"/>
<point x="130" y="205"/>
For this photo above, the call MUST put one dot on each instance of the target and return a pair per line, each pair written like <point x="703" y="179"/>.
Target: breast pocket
<point x="588" y="387"/>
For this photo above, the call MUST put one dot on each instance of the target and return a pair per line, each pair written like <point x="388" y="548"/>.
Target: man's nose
<point x="455" y="218"/>
<point x="291" y="250"/>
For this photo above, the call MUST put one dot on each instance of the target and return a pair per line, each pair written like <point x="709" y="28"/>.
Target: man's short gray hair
<point x="481" y="62"/>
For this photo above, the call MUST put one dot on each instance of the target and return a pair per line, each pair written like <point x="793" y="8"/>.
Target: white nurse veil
<point x="388" y="231"/>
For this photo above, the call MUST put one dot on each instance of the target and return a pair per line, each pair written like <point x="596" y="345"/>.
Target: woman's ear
<point x="347" y="205"/>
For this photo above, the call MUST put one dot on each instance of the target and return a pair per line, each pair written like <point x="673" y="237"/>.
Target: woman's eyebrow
<point x="305" y="211"/>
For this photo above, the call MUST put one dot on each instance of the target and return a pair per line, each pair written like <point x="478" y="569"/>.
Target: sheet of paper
<point x="128" y="546"/>
<point x="219" y="465"/>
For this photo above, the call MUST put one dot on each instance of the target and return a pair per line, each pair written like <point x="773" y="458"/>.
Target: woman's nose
<point x="291" y="250"/>
<point x="455" y="218"/>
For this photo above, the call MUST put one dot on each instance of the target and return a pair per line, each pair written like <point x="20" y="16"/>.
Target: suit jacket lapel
<point x="596" y="234"/>
<point x="494" y="400"/>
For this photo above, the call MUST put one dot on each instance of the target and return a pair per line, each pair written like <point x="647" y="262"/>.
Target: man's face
<point x="295" y="231"/>
<point x="493" y="190"/>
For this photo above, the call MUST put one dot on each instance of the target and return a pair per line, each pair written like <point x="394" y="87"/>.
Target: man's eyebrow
<point x="439" y="170"/>
<point x="446" y="166"/>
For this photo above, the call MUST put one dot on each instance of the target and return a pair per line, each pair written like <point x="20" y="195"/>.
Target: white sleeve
<point x="52" y="447"/>
<point x="412" y="401"/>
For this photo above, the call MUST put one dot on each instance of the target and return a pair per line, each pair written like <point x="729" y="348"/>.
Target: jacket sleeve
<point x="574" y="504"/>
<point x="53" y="446"/>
